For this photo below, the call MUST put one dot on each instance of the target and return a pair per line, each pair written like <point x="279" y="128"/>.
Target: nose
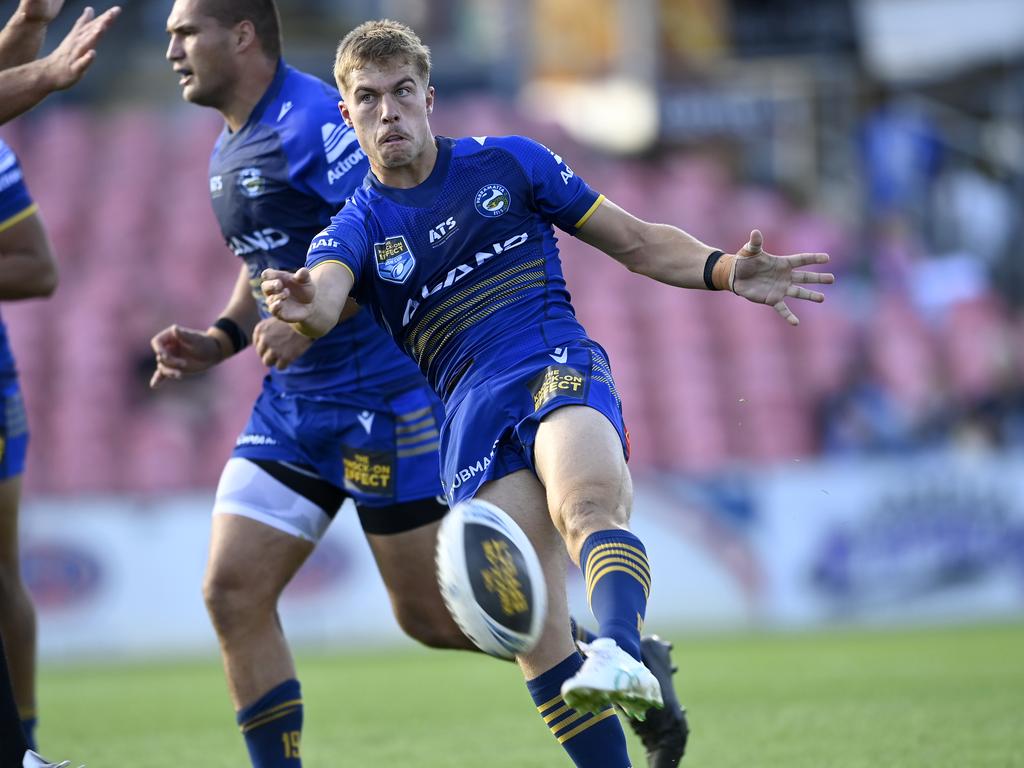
<point x="388" y="108"/>
<point x="174" y="49"/>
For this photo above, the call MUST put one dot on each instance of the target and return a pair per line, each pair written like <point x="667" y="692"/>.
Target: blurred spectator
<point x="862" y="416"/>
<point x="901" y="150"/>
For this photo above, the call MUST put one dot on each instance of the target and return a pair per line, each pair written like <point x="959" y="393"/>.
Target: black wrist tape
<point x="709" y="267"/>
<point x="233" y="331"/>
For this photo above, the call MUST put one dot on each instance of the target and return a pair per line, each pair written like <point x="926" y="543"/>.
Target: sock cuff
<point x="549" y="684"/>
<point x="279" y="701"/>
<point x="612" y="536"/>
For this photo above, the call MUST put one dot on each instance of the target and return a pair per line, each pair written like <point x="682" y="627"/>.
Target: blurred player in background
<point x="27" y="270"/>
<point x="451" y="244"/>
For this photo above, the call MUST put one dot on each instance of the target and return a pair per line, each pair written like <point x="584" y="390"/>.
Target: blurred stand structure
<point x="887" y="132"/>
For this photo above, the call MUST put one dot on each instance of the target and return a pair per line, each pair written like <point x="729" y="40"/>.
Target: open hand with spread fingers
<point x="68" y="62"/>
<point x="289" y="294"/>
<point x="762" y="278"/>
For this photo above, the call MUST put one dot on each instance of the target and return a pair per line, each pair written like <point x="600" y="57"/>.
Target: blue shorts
<point x="492" y="420"/>
<point x="13" y="429"/>
<point x="381" y="452"/>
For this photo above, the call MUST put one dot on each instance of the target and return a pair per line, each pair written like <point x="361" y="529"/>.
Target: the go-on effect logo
<point x="395" y="261"/>
<point x="492" y="201"/>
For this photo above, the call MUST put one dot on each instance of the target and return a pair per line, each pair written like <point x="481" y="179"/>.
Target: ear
<point x="343" y="108"/>
<point x="430" y="99"/>
<point x="245" y="35"/>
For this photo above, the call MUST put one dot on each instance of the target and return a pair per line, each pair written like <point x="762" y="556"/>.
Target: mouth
<point x="392" y="139"/>
<point x="184" y="76"/>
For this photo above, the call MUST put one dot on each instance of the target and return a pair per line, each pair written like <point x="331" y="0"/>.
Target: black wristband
<point x="709" y="266"/>
<point x="233" y="331"/>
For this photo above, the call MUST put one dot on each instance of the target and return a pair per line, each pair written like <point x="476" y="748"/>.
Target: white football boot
<point x="32" y="760"/>
<point x="611" y="676"/>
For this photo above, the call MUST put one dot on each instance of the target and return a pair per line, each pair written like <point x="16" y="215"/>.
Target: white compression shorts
<point x="249" y="491"/>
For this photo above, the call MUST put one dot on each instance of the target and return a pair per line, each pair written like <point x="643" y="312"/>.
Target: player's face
<point x="388" y="106"/>
<point x="199" y="51"/>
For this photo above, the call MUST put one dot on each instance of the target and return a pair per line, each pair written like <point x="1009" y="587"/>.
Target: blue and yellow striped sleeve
<point x="15" y="201"/>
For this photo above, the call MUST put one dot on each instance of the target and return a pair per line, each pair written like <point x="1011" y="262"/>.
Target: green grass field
<point x="936" y="697"/>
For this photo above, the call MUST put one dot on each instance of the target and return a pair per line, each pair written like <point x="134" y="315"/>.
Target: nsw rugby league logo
<point x="394" y="259"/>
<point x="492" y="201"/>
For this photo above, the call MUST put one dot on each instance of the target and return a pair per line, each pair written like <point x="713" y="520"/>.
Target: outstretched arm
<point x="22" y="87"/>
<point x="22" y="36"/>
<point x="670" y="255"/>
<point x="311" y="301"/>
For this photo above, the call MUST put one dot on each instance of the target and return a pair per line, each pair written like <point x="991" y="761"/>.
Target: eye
<point x="403" y="91"/>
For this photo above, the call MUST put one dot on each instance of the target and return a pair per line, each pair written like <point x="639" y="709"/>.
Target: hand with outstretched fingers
<point x="68" y="62"/>
<point x="762" y="278"/>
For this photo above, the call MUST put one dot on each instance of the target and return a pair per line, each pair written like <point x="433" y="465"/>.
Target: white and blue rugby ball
<point x="491" y="579"/>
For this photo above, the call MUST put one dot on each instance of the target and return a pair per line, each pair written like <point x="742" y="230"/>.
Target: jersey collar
<point x="423" y="194"/>
<point x="269" y="95"/>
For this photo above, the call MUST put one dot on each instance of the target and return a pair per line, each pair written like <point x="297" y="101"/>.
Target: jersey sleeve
<point x="15" y="201"/>
<point x="324" y="158"/>
<point x="342" y="242"/>
<point x="560" y="196"/>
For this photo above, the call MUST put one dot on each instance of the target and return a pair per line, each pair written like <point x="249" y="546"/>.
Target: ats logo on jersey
<point x="216" y="186"/>
<point x="492" y="201"/>
<point x="441" y="232"/>
<point x="394" y="259"/>
<point x="251" y="182"/>
<point x="557" y="381"/>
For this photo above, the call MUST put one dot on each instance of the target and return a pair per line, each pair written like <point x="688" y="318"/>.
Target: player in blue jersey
<point x="29" y="271"/>
<point x="451" y="244"/>
<point x="350" y="415"/>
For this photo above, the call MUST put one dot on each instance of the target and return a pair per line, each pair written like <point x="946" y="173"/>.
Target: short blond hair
<point x="374" y="42"/>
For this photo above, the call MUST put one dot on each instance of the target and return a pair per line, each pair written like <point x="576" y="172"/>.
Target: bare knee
<point x="234" y="603"/>
<point x="584" y="511"/>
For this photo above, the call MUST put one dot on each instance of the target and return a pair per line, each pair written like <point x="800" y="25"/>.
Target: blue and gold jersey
<point x="464" y="267"/>
<point x="15" y="205"/>
<point x="274" y="184"/>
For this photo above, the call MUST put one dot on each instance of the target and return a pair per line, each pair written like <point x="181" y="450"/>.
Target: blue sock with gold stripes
<point x="272" y="727"/>
<point x="28" y="725"/>
<point x="614" y="563"/>
<point x="592" y="740"/>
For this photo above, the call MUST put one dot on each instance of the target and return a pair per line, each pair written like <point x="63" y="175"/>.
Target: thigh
<point x="406" y="562"/>
<point x="249" y="557"/>
<point x="266" y="521"/>
<point x="578" y="457"/>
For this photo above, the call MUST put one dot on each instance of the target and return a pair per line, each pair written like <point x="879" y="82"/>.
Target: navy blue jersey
<point x="15" y="205"/>
<point x="275" y="183"/>
<point x="464" y="268"/>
